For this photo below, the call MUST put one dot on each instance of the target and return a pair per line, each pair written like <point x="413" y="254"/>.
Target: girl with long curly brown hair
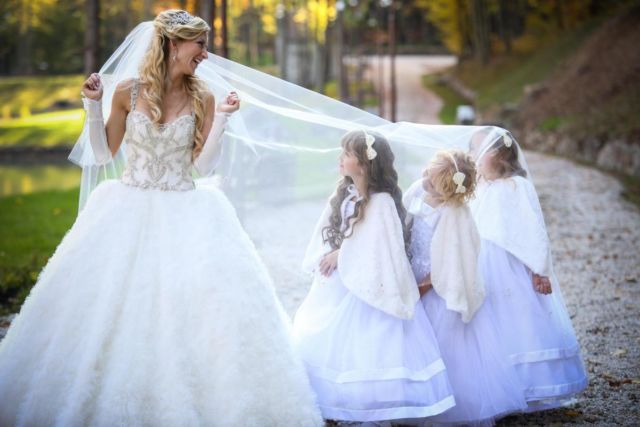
<point x="368" y="346"/>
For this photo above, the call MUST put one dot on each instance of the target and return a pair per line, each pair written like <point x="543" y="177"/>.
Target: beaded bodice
<point x="158" y="156"/>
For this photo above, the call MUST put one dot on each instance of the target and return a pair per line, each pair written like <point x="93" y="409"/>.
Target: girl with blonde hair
<point x="155" y="308"/>
<point x="445" y="247"/>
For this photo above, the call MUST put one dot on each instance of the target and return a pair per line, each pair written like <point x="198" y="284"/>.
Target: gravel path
<point x="596" y="247"/>
<point x="415" y="103"/>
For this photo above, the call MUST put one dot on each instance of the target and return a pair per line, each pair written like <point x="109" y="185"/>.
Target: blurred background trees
<point x="562" y="75"/>
<point x="44" y="36"/>
<point x="325" y="45"/>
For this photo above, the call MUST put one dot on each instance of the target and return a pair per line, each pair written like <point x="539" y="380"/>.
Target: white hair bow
<point x="369" y="140"/>
<point x="507" y="139"/>
<point x="458" y="177"/>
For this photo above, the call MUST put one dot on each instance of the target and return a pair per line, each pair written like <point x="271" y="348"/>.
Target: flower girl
<point x="444" y="255"/>
<point x="368" y="346"/>
<point x="515" y="262"/>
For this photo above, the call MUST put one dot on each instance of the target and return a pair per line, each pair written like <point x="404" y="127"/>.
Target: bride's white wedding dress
<point x="155" y="310"/>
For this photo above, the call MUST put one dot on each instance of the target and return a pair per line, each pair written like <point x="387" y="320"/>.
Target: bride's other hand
<point x="231" y="103"/>
<point x="92" y="87"/>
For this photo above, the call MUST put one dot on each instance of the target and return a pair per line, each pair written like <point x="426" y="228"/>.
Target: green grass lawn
<point x="32" y="227"/>
<point x="40" y="111"/>
<point x="58" y="128"/>
<point x="504" y="78"/>
<point x="34" y="178"/>
<point x="23" y="96"/>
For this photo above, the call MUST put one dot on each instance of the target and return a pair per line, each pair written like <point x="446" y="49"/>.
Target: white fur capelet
<point x="455" y="248"/>
<point x="372" y="262"/>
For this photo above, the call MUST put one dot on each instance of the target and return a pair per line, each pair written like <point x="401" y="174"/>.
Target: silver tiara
<point x="180" y="18"/>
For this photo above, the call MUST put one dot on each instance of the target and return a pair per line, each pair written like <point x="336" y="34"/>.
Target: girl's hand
<point x="230" y="104"/>
<point x="329" y="262"/>
<point x="92" y="87"/>
<point x="425" y="286"/>
<point x="541" y="284"/>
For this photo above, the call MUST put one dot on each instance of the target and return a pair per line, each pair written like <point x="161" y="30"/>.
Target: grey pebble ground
<point x="595" y="234"/>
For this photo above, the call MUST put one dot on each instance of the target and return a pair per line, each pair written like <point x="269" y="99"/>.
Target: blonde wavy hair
<point x="441" y="170"/>
<point x="153" y="69"/>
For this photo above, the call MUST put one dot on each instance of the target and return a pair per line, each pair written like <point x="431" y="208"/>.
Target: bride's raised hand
<point x="230" y="104"/>
<point x="92" y="87"/>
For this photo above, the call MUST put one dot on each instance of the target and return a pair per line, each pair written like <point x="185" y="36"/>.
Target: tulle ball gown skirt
<point x="155" y="310"/>
<point x="535" y="331"/>
<point x="485" y="384"/>
<point x="366" y="365"/>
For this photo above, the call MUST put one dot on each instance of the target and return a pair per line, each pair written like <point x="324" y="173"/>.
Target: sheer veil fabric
<point x="280" y="154"/>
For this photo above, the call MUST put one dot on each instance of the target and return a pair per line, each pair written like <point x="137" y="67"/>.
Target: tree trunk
<point x="147" y="10"/>
<point x="343" y="80"/>
<point x="207" y="12"/>
<point x="91" y="36"/>
<point x="479" y="22"/>
<point x="361" y="66"/>
<point x="23" y="53"/>
<point x="319" y="66"/>
<point x="504" y="16"/>
<point x="254" y="35"/>
<point x="224" y="35"/>
<point x="319" y="60"/>
<point x="329" y="72"/>
<point x="392" y="57"/>
<point x="559" y="12"/>
<point x="380" y="52"/>
<point x="282" y="44"/>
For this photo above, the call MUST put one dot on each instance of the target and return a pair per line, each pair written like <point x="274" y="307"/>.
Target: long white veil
<point x="280" y="149"/>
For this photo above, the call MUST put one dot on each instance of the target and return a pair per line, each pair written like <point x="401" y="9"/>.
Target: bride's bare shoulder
<point x="124" y="91"/>
<point x="127" y="84"/>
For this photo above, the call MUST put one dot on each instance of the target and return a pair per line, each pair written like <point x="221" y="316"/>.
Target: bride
<point x="155" y="308"/>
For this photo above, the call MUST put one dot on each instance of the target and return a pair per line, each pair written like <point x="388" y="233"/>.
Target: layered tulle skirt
<point x="155" y="310"/>
<point x="485" y="384"/>
<point x="366" y="365"/>
<point x="535" y="330"/>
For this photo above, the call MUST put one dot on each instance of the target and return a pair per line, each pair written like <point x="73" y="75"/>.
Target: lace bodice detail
<point x="425" y="221"/>
<point x="158" y="156"/>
